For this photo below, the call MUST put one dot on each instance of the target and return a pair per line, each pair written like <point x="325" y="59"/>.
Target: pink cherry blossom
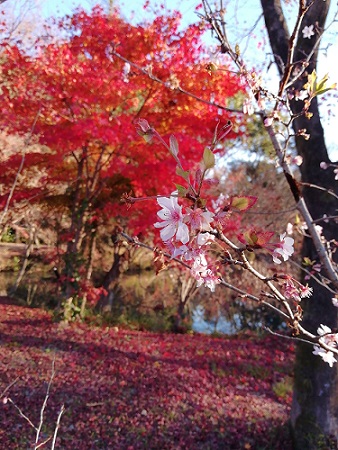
<point x="305" y="291"/>
<point x="171" y="214"/>
<point x="203" y="274"/>
<point x="298" y="160"/>
<point x="174" y="251"/>
<point x="198" y="219"/>
<point x="294" y="290"/>
<point x="291" y="291"/>
<point x="268" y="121"/>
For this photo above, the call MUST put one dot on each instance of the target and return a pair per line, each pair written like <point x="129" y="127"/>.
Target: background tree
<point x="314" y="412"/>
<point x="84" y="101"/>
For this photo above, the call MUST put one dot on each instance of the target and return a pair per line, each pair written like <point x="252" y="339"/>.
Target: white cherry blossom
<point x="172" y="217"/>
<point x="308" y="32"/>
<point x="285" y="249"/>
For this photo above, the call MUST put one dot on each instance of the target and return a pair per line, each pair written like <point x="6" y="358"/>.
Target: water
<point x="218" y="325"/>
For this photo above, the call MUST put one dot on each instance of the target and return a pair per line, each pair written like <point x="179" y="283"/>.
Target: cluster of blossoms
<point x="294" y="290"/>
<point x="188" y="235"/>
<point x="328" y="338"/>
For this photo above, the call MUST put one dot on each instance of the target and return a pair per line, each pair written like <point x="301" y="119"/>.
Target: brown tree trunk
<point x="314" y="415"/>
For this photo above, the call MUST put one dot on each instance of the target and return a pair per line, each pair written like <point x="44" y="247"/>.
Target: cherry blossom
<point x="294" y="290"/>
<point x="125" y="72"/>
<point x="289" y="228"/>
<point x="198" y="219"/>
<point x="298" y="160"/>
<point x="204" y="238"/>
<point x="308" y="32"/>
<point x="327" y="356"/>
<point x="290" y="291"/>
<point x="248" y="107"/>
<point x="305" y="291"/>
<point x="268" y="121"/>
<point x="322" y="330"/>
<point x="176" y="252"/>
<point x="171" y="214"/>
<point x="328" y="338"/>
<point x="302" y="95"/>
<point x="203" y="274"/>
<point x="284" y="249"/>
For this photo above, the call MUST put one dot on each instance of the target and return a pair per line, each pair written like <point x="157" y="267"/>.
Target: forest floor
<point x="124" y="389"/>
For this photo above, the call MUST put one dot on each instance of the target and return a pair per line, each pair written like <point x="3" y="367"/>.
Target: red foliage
<point x="133" y="390"/>
<point x="81" y="101"/>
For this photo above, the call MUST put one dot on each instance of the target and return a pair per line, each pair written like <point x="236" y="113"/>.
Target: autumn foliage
<point x="81" y="101"/>
<point x="131" y="390"/>
<point x="77" y="97"/>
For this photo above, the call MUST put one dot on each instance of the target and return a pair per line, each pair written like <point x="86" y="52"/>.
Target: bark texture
<point x="314" y="416"/>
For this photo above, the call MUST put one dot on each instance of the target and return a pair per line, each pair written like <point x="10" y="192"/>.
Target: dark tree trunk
<point x="111" y="278"/>
<point x="314" y="415"/>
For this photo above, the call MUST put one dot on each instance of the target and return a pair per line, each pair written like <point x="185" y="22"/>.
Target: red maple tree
<point x="79" y="98"/>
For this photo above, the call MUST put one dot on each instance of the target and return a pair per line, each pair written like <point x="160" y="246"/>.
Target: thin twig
<point x="38" y="430"/>
<point x="62" y="410"/>
<point x="178" y="88"/>
<point x="9" y="386"/>
<point x="18" y="173"/>
<point x="22" y="414"/>
<point x="320" y="188"/>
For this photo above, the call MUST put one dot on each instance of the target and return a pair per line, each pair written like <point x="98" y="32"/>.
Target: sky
<point x="242" y="27"/>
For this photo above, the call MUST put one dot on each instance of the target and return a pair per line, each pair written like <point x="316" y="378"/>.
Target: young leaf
<point x="173" y="146"/>
<point x="320" y="87"/>
<point x="182" y="173"/>
<point x="182" y="191"/>
<point x="242" y="203"/>
<point x="255" y="239"/>
<point x="208" y="159"/>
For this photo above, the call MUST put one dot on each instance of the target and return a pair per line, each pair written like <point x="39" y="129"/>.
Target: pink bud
<point x="268" y="121"/>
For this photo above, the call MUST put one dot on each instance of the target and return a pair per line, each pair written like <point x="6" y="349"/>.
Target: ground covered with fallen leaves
<point x="138" y="390"/>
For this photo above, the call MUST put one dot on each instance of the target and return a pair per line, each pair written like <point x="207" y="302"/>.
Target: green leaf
<point x="182" y="173"/>
<point x="329" y="88"/>
<point x="311" y="82"/>
<point x="182" y="191"/>
<point x="322" y="82"/>
<point x="307" y="262"/>
<point x="208" y="159"/>
<point x="318" y="88"/>
<point x="147" y="136"/>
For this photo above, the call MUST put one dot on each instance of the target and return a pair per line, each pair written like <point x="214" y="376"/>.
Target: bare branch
<point x="179" y="89"/>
